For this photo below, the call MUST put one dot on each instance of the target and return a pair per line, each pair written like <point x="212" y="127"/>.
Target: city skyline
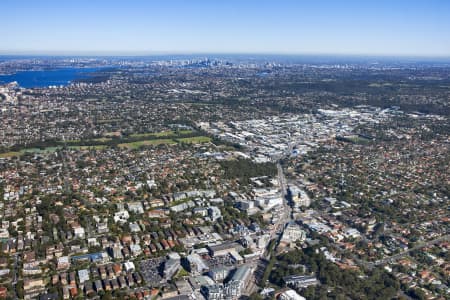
<point x="403" y="28"/>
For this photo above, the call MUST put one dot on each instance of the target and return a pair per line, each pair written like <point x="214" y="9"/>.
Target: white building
<point x="129" y="266"/>
<point x="290" y="295"/>
<point x="136" y="207"/>
<point x="135" y="249"/>
<point x="293" y="233"/>
<point x="214" y="213"/>
<point x="299" y="197"/>
<point x="83" y="275"/>
<point x="121" y="216"/>
<point x="196" y="264"/>
<point x="79" y="232"/>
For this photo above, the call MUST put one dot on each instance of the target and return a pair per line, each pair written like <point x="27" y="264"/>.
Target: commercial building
<point x="292" y="233"/>
<point x="223" y="249"/>
<point x="300" y="281"/>
<point x="196" y="264"/>
<point x="290" y="295"/>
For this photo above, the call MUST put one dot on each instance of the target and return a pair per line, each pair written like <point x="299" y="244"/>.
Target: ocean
<point x="46" y="78"/>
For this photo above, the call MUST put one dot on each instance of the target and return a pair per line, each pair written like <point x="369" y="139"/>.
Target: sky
<point x="342" y="27"/>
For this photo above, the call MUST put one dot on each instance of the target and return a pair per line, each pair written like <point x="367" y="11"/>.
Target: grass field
<point x="9" y="154"/>
<point x="39" y="150"/>
<point x="195" y="140"/>
<point x="53" y="149"/>
<point x="167" y="133"/>
<point x="135" y="145"/>
<point x="131" y="145"/>
<point x="96" y="147"/>
<point x="48" y="149"/>
<point x="102" y="140"/>
<point x="190" y="140"/>
<point x="98" y="140"/>
<point x="72" y="142"/>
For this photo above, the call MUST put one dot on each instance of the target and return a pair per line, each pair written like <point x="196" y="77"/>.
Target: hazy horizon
<point x="351" y="28"/>
<point x="249" y="55"/>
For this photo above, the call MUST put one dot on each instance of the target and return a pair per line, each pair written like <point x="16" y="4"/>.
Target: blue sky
<point x="377" y="27"/>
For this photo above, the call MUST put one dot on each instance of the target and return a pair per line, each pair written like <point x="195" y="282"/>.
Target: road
<point x="417" y="247"/>
<point x="16" y="273"/>
<point x="287" y="209"/>
<point x="286" y="216"/>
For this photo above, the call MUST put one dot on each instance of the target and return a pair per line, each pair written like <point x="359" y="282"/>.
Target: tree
<point x="417" y="294"/>
<point x="256" y="296"/>
<point x="107" y="296"/>
<point x="19" y="289"/>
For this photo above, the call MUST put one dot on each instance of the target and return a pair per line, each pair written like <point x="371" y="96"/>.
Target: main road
<point x="286" y="214"/>
<point x="283" y="218"/>
<point x="417" y="247"/>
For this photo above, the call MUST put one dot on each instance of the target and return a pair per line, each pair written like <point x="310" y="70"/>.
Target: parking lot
<point x="151" y="270"/>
